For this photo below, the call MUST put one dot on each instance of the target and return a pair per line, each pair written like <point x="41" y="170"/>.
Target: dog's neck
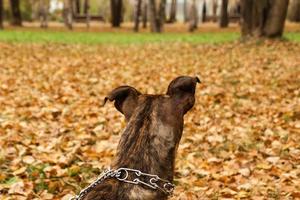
<point x="148" y="144"/>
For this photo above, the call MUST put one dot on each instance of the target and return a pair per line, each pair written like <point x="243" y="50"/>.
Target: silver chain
<point x="106" y="174"/>
<point x="122" y="174"/>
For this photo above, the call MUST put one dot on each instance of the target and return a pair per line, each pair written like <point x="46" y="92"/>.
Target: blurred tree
<point x="137" y="14"/>
<point x="294" y="11"/>
<point x="193" y="16"/>
<point x="116" y="7"/>
<point x="263" y="18"/>
<point x="145" y="13"/>
<point x="43" y="12"/>
<point x="215" y="8"/>
<point x="204" y="11"/>
<point x="16" y="13"/>
<point x="103" y="8"/>
<point x="224" y="21"/>
<point x="157" y="15"/>
<point x="87" y="12"/>
<point x="185" y="12"/>
<point x="34" y="9"/>
<point x="172" y="17"/>
<point x="26" y="7"/>
<point x="86" y="6"/>
<point x="1" y="14"/>
<point x="68" y="13"/>
<point x="77" y="7"/>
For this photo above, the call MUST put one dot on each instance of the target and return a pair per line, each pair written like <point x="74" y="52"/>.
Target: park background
<point x="59" y="60"/>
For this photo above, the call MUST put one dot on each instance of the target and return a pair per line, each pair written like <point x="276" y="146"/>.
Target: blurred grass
<point x="293" y="36"/>
<point x="19" y="36"/>
<point x="112" y="38"/>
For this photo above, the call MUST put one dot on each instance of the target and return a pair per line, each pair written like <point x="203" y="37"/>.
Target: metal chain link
<point x="122" y="175"/>
<point x="106" y="174"/>
<point x="166" y="187"/>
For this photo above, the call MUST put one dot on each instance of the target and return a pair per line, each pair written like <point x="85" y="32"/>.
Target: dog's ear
<point x="125" y="98"/>
<point x="182" y="91"/>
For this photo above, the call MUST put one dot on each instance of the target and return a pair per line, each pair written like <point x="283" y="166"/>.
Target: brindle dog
<point x="150" y="139"/>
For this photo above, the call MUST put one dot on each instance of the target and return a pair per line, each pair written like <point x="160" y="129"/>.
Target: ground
<point x="240" y="141"/>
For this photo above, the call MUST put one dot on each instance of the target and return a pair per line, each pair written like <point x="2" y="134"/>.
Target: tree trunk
<point x="275" y="22"/>
<point x="153" y="15"/>
<point x="215" y="8"/>
<point x="16" y="13"/>
<point x="1" y="14"/>
<point x="77" y="7"/>
<point x="185" y="12"/>
<point x="43" y="13"/>
<point x="294" y="11"/>
<point x="193" y="18"/>
<point x="68" y="14"/>
<point x="224" y="21"/>
<point x="87" y="12"/>
<point x="204" y="11"/>
<point x="162" y="14"/>
<point x="263" y="18"/>
<point x="173" y="9"/>
<point x="116" y="7"/>
<point x="157" y="16"/>
<point x="137" y="14"/>
<point x="145" y="14"/>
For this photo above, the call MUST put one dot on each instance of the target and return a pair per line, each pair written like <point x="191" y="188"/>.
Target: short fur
<point x="150" y="139"/>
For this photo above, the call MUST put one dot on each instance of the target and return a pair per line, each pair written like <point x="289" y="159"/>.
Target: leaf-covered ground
<point x="241" y="140"/>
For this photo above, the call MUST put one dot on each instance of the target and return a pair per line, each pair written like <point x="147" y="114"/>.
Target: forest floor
<point x="240" y="141"/>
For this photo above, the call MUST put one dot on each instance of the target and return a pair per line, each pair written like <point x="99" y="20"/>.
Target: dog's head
<point x="180" y="96"/>
<point x="154" y="119"/>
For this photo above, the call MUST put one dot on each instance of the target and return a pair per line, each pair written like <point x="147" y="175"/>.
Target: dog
<point x="148" y="145"/>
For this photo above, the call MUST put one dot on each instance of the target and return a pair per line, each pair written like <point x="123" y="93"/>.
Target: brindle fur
<point x="150" y="139"/>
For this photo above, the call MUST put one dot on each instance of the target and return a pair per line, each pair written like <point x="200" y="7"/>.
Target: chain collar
<point x="122" y="174"/>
